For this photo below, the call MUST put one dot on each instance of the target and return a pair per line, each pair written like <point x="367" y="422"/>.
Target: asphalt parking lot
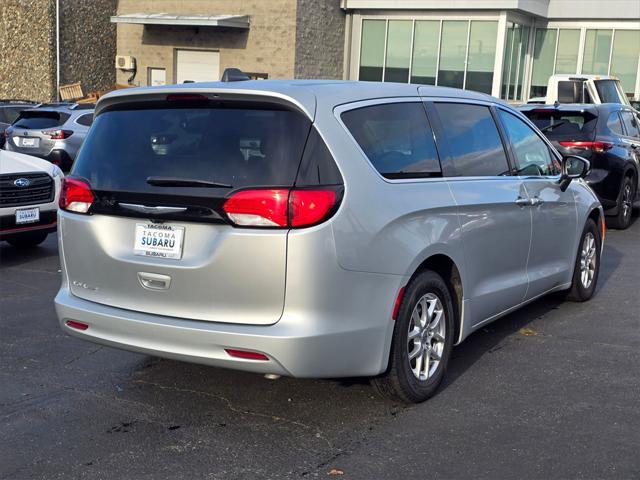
<point x="551" y="391"/>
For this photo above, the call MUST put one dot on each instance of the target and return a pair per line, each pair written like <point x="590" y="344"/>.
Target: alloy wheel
<point x="426" y="336"/>
<point x="588" y="260"/>
<point x="627" y="201"/>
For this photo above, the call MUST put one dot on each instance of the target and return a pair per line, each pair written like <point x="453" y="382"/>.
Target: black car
<point x="9" y="111"/>
<point x="608" y="135"/>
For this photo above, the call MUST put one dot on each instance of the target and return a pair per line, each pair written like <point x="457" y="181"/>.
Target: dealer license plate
<point x="158" y="240"/>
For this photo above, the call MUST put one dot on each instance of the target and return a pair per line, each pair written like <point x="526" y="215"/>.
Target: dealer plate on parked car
<point x="29" y="142"/>
<point x="158" y="240"/>
<point x="27" y="215"/>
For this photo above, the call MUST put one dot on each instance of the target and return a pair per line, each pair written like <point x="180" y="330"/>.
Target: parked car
<point x="563" y="88"/>
<point x="607" y="135"/>
<point x="54" y="132"/>
<point x="9" y="111"/>
<point x="317" y="228"/>
<point x="29" y="193"/>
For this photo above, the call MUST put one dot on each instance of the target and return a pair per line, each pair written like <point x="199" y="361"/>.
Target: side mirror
<point x="573" y="167"/>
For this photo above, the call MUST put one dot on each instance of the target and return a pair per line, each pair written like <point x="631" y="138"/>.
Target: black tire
<point x="399" y="381"/>
<point x="625" y="205"/>
<point x="27" y="240"/>
<point x="580" y="292"/>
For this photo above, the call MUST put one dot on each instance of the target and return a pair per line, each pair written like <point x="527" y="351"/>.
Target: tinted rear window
<point x="397" y="139"/>
<point x="34" y="120"/>
<point x="564" y="125"/>
<point x="609" y="92"/>
<point x="236" y="146"/>
<point x="473" y="141"/>
<point x="9" y="114"/>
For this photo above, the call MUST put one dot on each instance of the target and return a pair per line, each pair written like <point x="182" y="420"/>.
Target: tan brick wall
<point x="87" y="43"/>
<point x="319" y="39"/>
<point x="268" y="46"/>
<point x="27" y="49"/>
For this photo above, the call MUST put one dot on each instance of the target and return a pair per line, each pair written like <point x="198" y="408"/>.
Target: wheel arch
<point x="447" y="268"/>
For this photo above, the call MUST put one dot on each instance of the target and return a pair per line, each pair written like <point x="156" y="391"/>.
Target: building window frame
<point x="468" y="17"/>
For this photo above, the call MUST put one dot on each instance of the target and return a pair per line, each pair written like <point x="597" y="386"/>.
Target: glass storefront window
<point x="372" y="49"/>
<point x="567" y="55"/>
<point x="597" y="48"/>
<point x="398" y="51"/>
<point x="624" y="59"/>
<point x="453" y="53"/>
<point x="425" y="52"/>
<point x="482" y="55"/>
<point x="544" y="52"/>
<point x="514" y="61"/>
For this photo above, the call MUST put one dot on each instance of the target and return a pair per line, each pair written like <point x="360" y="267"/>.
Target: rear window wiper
<point x="552" y="126"/>
<point x="185" y="182"/>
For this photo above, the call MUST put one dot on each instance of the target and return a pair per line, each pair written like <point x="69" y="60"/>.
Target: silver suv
<point x="54" y="132"/>
<point x="315" y="228"/>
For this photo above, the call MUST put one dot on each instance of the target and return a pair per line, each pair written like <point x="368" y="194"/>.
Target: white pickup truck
<point x="582" y="89"/>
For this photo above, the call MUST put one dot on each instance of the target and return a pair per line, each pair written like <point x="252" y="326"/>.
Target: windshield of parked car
<point x="564" y="125"/>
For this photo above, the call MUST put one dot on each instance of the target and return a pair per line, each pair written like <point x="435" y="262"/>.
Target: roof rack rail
<point x="17" y="100"/>
<point x="234" y="75"/>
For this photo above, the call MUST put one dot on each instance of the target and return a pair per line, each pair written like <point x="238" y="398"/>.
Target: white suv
<point x="29" y="190"/>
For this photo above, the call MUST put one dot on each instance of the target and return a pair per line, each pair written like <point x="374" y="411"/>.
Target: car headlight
<point x="57" y="173"/>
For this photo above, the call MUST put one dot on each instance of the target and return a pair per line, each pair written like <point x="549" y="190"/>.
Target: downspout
<point x="58" y="50"/>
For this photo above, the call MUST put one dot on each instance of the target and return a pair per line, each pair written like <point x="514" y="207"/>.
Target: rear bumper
<point x="307" y="348"/>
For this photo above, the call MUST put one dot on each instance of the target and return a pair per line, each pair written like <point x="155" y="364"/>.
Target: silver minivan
<point x="317" y="228"/>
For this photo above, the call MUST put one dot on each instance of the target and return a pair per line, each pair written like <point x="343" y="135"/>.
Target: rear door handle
<point x="154" y="281"/>
<point x="523" y="202"/>
<point x="535" y="201"/>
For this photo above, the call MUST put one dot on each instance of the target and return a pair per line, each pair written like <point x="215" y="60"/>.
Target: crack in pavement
<point x="83" y="355"/>
<point x="230" y="406"/>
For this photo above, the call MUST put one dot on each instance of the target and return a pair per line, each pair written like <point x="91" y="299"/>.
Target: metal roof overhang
<point x="187" y="20"/>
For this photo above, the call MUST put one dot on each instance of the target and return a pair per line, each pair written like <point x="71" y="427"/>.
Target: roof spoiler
<point x="234" y="75"/>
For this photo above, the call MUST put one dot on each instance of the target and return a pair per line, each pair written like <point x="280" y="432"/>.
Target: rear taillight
<point x="58" y="134"/>
<point x="259" y="208"/>
<point x="595" y="146"/>
<point x="280" y="207"/>
<point x="308" y="207"/>
<point x="76" y="196"/>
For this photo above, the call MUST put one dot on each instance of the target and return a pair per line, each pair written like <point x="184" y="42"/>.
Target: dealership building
<point x="507" y="48"/>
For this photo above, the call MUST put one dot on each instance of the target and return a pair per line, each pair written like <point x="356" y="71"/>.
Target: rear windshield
<point x="564" y="125"/>
<point x="34" y="120"/>
<point x="238" y="147"/>
<point x="609" y="91"/>
<point x="9" y="114"/>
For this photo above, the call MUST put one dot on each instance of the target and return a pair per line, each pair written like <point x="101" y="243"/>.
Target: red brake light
<point x="279" y="207"/>
<point x="246" y="354"/>
<point x="58" y="134"/>
<point x="258" y="208"/>
<point x="76" y="196"/>
<point x="310" y="206"/>
<point x="186" y="97"/>
<point x="595" y="146"/>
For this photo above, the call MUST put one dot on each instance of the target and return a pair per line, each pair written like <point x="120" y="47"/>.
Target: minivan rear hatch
<point x="157" y="239"/>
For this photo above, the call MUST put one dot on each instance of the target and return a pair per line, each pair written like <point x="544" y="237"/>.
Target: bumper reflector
<point x="246" y="355"/>
<point x="76" y="325"/>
